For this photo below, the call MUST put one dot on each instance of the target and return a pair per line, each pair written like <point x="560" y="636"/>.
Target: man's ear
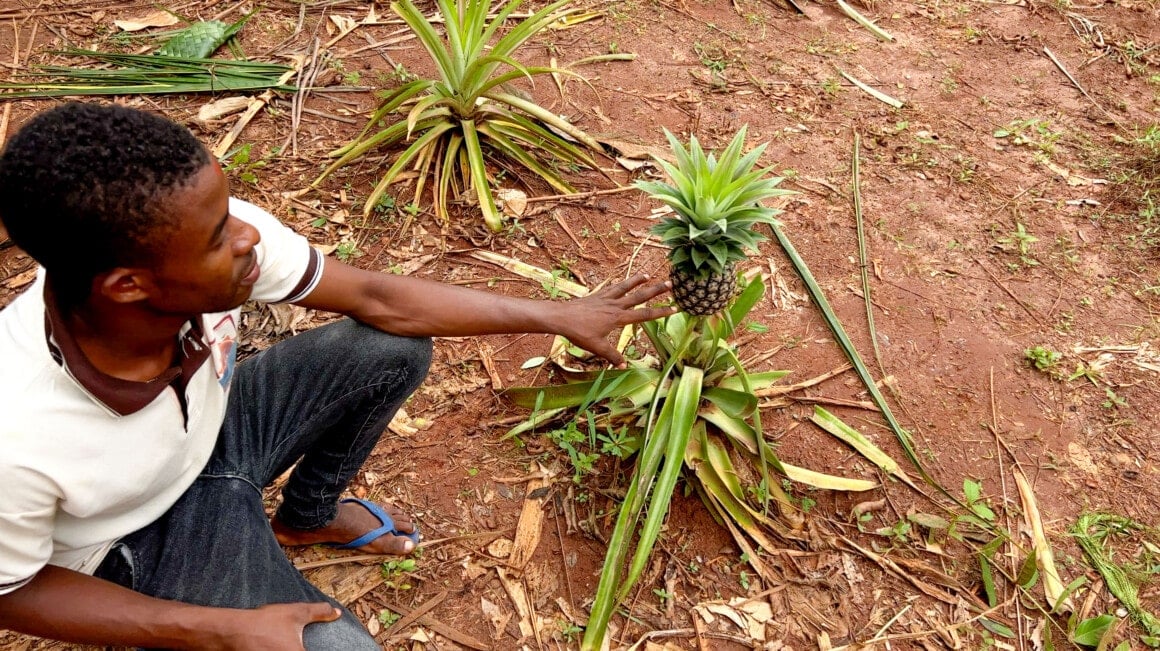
<point x="124" y="285"/>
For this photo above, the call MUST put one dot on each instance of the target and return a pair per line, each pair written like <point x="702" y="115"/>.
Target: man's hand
<point x="273" y="627"/>
<point x="587" y="321"/>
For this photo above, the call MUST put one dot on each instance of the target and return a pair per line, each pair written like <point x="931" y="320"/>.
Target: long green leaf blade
<point x="686" y="394"/>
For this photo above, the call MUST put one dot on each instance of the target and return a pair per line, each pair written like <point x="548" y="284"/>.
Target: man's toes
<point x="402" y="520"/>
<point x="397" y="545"/>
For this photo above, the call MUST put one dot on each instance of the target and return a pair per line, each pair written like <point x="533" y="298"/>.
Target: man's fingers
<point x="650" y="313"/>
<point x="320" y="612"/>
<point x="647" y="293"/>
<point x="605" y="350"/>
<point x="626" y="286"/>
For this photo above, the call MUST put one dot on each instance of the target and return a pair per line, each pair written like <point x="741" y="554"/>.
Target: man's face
<point x="208" y="263"/>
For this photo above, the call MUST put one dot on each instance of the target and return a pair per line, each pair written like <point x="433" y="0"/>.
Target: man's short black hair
<point x="82" y="188"/>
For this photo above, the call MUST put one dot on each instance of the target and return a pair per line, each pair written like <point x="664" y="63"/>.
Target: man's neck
<point x="126" y="342"/>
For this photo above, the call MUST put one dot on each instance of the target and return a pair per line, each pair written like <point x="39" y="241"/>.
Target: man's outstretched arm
<point x="408" y="306"/>
<point x="61" y="604"/>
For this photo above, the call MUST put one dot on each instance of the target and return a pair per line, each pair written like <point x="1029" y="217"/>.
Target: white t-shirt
<point x="86" y="458"/>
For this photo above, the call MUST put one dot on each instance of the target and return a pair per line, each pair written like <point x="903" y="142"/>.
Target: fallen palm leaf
<point x="532" y="272"/>
<point x="603" y="58"/>
<point x="136" y="74"/>
<point x="863" y="258"/>
<point x="819" y="298"/>
<point x="1053" y="589"/>
<point x="854" y="439"/>
<point x="877" y="31"/>
<point x="827" y="482"/>
<point x="876" y="94"/>
<point x="769" y="391"/>
<point x="573" y="18"/>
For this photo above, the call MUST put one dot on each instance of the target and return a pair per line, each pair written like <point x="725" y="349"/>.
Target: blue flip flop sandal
<point x="387" y="528"/>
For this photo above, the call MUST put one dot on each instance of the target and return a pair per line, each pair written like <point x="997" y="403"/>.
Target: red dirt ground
<point x="957" y="301"/>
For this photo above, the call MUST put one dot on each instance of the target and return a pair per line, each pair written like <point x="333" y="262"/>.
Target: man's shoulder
<point x="22" y="333"/>
<point x="28" y="376"/>
<point x="254" y="214"/>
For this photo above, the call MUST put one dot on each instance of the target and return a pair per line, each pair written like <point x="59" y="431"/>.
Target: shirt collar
<point x="123" y="397"/>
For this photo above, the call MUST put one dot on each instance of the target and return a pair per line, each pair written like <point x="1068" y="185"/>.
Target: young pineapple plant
<point x="716" y="206"/>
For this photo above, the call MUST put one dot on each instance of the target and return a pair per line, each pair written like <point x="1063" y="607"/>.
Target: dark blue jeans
<point x="322" y="399"/>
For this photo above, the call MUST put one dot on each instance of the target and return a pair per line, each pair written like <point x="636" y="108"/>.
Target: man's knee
<point x="355" y="344"/>
<point x="409" y="356"/>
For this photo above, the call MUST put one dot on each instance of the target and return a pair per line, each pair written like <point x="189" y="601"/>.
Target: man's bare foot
<point x="353" y="520"/>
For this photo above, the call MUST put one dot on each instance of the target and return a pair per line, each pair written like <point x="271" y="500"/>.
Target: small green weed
<point x="552" y="286"/>
<point x="712" y="57"/>
<point x="388" y="617"/>
<point x="899" y="532"/>
<point x="570" y="632"/>
<point x="1125" y="553"/>
<point x="242" y="163"/>
<point x="347" y="251"/>
<point x="349" y="77"/>
<point x="1042" y="358"/>
<point x="1113" y="401"/>
<point x="571" y="440"/>
<point x="400" y="74"/>
<point x="1137" y="170"/>
<point x="395" y="572"/>
<point x="1033" y="133"/>
<point x="967" y="167"/>
<point x="973" y="491"/>
<point x="1020" y="241"/>
<point x="1134" y="56"/>
<point x="385" y="205"/>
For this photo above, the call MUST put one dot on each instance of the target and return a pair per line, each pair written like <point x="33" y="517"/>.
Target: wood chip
<point x="344" y="583"/>
<point x="515" y="589"/>
<point x="21" y="279"/>
<point x="405" y="621"/>
<point x="451" y="633"/>
<point x="531" y="523"/>
<point x="485" y="358"/>
<point x="152" y="19"/>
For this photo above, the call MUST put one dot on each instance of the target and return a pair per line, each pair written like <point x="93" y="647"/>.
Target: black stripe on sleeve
<point x="309" y="279"/>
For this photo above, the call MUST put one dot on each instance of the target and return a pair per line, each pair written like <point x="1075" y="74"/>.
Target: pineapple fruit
<point x="716" y="206"/>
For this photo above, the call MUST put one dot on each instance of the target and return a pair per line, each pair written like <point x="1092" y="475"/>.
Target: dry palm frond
<point x="143" y="74"/>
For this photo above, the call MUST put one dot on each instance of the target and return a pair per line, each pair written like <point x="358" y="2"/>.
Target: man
<point x="133" y="451"/>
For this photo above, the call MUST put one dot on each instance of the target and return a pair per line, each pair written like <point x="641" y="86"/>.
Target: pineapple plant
<point x="716" y="206"/>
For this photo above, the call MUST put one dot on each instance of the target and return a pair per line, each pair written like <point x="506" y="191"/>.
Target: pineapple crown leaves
<point x="716" y="204"/>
